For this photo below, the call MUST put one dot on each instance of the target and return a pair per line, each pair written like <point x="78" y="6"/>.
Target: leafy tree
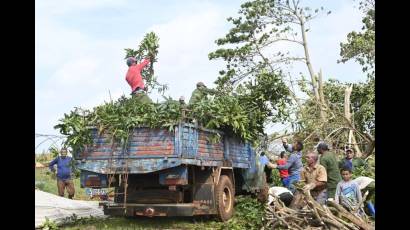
<point x="361" y="45"/>
<point x="362" y="102"/>
<point x="249" y="49"/>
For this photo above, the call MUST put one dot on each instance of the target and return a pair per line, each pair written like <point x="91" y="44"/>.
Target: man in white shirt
<point x="284" y="194"/>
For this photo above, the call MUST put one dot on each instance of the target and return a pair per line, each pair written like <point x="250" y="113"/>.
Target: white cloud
<point x="81" y="71"/>
<point x="53" y="7"/>
<point x="327" y="33"/>
<point x="184" y="46"/>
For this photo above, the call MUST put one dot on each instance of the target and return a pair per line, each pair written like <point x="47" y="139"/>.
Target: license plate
<point x="95" y="191"/>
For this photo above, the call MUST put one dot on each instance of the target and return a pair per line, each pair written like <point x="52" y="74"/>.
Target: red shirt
<point x="134" y="77"/>
<point x="284" y="172"/>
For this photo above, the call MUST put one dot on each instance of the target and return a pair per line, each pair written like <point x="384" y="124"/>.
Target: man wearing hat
<point x="134" y="78"/>
<point x="329" y="161"/>
<point x="350" y="161"/>
<point x="199" y="93"/>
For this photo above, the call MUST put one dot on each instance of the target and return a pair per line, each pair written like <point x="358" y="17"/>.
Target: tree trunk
<point x="321" y="93"/>
<point x="369" y="149"/>
<point x="308" y="63"/>
<point x="348" y="115"/>
<point x="315" y="85"/>
<point x="322" y="97"/>
<point x="356" y="147"/>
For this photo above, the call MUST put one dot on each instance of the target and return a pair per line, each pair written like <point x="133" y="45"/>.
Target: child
<point x="347" y="191"/>
<point x="284" y="172"/>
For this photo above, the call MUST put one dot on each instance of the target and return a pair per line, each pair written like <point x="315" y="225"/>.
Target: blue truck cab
<point x="185" y="171"/>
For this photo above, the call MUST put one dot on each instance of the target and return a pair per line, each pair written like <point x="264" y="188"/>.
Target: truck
<point x="185" y="170"/>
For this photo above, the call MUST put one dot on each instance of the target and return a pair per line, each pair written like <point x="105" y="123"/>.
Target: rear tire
<point x="224" y="195"/>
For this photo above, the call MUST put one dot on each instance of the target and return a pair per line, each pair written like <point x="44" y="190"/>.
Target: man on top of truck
<point x="200" y="92"/>
<point x="134" y="79"/>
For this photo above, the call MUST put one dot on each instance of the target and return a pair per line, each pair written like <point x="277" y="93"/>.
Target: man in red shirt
<point x="284" y="172"/>
<point x="134" y="78"/>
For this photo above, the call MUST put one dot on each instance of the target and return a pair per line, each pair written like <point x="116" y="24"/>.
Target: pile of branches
<point x="119" y="118"/>
<point x="306" y="213"/>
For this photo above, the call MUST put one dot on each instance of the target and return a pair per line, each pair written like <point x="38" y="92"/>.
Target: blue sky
<point x="79" y="48"/>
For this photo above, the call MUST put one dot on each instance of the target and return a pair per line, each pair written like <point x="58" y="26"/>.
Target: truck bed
<point x="150" y="150"/>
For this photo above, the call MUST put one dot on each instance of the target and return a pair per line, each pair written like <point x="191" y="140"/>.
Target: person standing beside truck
<point x="284" y="174"/>
<point x="134" y="79"/>
<point x="64" y="181"/>
<point x="264" y="160"/>
<point x="293" y="165"/>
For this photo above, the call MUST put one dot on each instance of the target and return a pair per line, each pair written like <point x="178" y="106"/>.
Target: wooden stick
<point x="334" y="223"/>
<point x="350" y="226"/>
<point x="354" y="219"/>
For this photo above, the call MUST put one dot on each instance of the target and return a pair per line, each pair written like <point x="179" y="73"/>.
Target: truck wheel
<point x="224" y="194"/>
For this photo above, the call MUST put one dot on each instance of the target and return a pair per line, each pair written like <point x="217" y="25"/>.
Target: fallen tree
<point x="306" y="213"/>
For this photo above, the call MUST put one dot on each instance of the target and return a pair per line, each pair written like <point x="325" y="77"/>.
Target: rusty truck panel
<point x="158" y="149"/>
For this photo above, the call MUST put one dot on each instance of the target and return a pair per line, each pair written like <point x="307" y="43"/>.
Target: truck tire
<point x="224" y="196"/>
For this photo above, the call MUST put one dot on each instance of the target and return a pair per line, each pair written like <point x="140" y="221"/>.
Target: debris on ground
<point x="306" y="213"/>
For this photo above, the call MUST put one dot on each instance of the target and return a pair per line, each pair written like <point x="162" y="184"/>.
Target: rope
<point x="126" y="173"/>
<point x="49" y="135"/>
<point x="110" y="174"/>
<point x="48" y="138"/>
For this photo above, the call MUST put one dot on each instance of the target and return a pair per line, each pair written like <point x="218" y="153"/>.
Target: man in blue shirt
<point x="64" y="180"/>
<point x="351" y="162"/>
<point x="293" y="165"/>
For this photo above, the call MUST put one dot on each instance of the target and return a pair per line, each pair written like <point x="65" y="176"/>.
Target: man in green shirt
<point x="199" y="93"/>
<point x="142" y="97"/>
<point x="329" y="161"/>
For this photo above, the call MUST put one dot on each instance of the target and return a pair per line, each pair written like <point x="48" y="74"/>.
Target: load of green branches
<point x="119" y="118"/>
